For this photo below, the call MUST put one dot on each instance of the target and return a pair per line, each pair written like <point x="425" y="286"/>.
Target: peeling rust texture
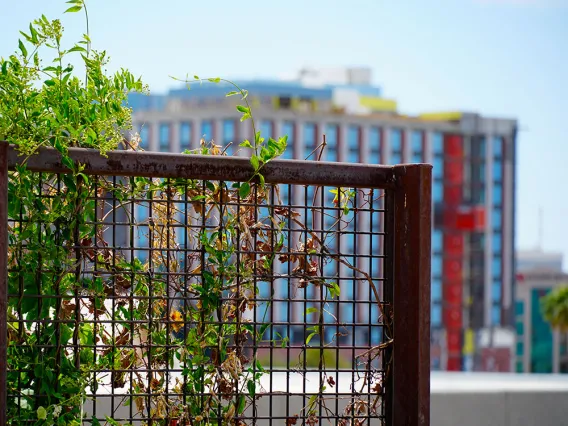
<point x="168" y="165"/>
<point x="3" y="279"/>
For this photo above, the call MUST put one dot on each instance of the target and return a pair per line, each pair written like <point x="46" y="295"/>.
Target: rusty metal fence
<point x="198" y="299"/>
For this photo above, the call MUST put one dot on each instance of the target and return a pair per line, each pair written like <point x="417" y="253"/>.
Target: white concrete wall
<point x="512" y="408"/>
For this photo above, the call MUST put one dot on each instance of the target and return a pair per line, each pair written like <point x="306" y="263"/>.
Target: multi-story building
<point x="539" y="348"/>
<point x="473" y="176"/>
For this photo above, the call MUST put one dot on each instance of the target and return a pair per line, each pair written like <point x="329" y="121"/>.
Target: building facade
<point x="473" y="177"/>
<point x="539" y="348"/>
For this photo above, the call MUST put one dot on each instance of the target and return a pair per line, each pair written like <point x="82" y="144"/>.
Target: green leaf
<point x="232" y="94"/>
<point x="310" y="337"/>
<point x="265" y="155"/>
<point x="246" y="144"/>
<point x="67" y="161"/>
<point x="263" y="329"/>
<point x="77" y="49"/>
<point x="38" y="370"/>
<point x="244" y="190"/>
<point x="112" y="421"/>
<point x="95" y="421"/>
<point x="33" y="33"/>
<point x="255" y="162"/>
<point x="311" y="310"/>
<point x="41" y="413"/>
<point x="251" y="386"/>
<point x="283" y="143"/>
<point x="312" y="400"/>
<point x="196" y="77"/>
<point x="22" y="48"/>
<point x="73" y="9"/>
<point x="27" y="37"/>
<point x="49" y="83"/>
<point x="241" y="404"/>
<point x="334" y="289"/>
<point x="243" y="109"/>
<point x="214" y="80"/>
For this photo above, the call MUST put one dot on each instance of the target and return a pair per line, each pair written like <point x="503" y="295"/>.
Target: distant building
<point x="531" y="260"/>
<point x="539" y="348"/>
<point x="473" y="176"/>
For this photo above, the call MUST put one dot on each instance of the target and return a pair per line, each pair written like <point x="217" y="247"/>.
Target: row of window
<point x="436" y="289"/>
<point x="437" y="265"/>
<point x="332" y="130"/>
<point x="438" y="241"/>
<point x="481" y="168"/>
<point x="436" y="315"/>
<point x="310" y="136"/>
<point x="478" y="197"/>
<point x="497" y="147"/>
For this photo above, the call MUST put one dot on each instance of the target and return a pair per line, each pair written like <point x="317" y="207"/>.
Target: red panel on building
<point x="453" y="293"/>
<point x="453" y="248"/>
<point x="452" y="269"/>
<point x="453" y="318"/>
<point x="465" y="221"/>
<point x="479" y="213"/>
<point x="471" y="219"/>
<point x="449" y="217"/>
<point x="454" y="340"/>
<point x="453" y="243"/>
<point x="453" y="172"/>
<point x="453" y="146"/>
<point x="453" y="195"/>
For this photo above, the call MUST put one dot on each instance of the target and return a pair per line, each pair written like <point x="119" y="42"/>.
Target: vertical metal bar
<point x="3" y="281"/>
<point x="387" y="303"/>
<point x="411" y="361"/>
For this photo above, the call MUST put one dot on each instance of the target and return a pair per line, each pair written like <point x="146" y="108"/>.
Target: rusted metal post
<point x="412" y="239"/>
<point x="3" y="281"/>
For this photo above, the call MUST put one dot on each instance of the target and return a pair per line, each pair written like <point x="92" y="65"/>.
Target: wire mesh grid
<point x="179" y="301"/>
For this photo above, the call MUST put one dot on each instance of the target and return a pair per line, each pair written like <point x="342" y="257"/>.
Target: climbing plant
<point x="57" y="338"/>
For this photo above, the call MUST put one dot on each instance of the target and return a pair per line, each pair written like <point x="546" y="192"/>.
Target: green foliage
<point x="44" y="103"/>
<point x="555" y="308"/>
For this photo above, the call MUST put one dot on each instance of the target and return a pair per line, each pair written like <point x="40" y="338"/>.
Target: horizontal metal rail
<point x="234" y="169"/>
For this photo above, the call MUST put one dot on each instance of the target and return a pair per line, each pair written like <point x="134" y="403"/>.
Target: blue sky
<point x="506" y="58"/>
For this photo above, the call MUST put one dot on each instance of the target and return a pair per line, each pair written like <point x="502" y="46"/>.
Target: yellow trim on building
<point x="275" y="102"/>
<point x="378" y="104"/>
<point x="469" y="342"/>
<point x="442" y="116"/>
<point x="294" y="103"/>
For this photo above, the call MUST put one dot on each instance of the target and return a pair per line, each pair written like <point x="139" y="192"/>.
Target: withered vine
<point x="73" y="283"/>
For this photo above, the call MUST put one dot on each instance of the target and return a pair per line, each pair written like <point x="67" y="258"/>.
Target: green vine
<point x="70" y="283"/>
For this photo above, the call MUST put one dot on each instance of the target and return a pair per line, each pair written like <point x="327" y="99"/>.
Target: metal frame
<point x="3" y="279"/>
<point x="408" y="227"/>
